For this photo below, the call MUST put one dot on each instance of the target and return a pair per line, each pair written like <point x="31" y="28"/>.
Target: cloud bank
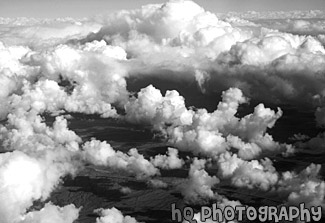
<point x="54" y="67"/>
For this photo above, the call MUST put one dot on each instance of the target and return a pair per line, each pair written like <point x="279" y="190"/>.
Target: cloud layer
<point x="54" y="67"/>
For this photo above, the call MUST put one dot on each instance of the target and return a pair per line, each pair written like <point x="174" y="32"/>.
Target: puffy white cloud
<point x="229" y="54"/>
<point x="113" y="215"/>
<point x="48" y="96"/>
<point x="10" y="58"/>
<point x="198" y="40"/>
<point x="27" y="132"/>
<point x="52" y="214"/>
<point x="12" y="72"/>
<point x="69" y="78"/>
<point x="41" y="157"/>
<point x="294" y="188"/>
<point x="306" y="187"/>
<point x="232" y="52"/>
<point x="203" y="132"/>
<point x="169" y="161"/>
<point x="101" y="153"/>
<point x="150" y="107"/>
<point x="198" y="187"/>
<point x="251" y="174"/>
<point x="276" y="65"/>
<point x="26" y="179"/>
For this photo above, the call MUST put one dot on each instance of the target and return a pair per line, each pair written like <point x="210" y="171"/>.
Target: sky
<point x="85" y="8"/>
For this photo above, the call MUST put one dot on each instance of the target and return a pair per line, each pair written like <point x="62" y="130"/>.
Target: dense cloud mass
<point x="225" y="53"/>
<point x="41" y="157"/>
<point x="119" y="66"/>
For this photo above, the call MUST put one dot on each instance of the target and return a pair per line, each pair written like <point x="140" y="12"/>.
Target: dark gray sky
<point x="85" y="8"/>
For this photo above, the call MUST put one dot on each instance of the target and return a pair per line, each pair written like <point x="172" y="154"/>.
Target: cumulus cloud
<point x="251" y="174"/>
<point x="226" y="53"/>
<point x="113" y="215"/>
<point x="27" y="179"/>
<point x="294" y="188"/>
<point x="87" y="66"/>
<point x="52" y="214"/>
<point x="203" y="132"/>
<point x="12" y="73"/>
<point x="66" y="78"/>
<point x="305" y="186"/>
<point x="41" y="156"/>
<point x="198" y="187"/>
<point x="87" y="73"/>
<point x="169" y="161"/>
<point x="101" y="153"/>
<point x="232" y="52"/>
<point x="150" y="107"/>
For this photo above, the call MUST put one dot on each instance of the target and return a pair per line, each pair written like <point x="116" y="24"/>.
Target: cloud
<point x="278" y="65"/>
<point x="36" y="157"/>
<point x="314" y="145"/>
<point x="305" y="186"/>
<point x="89" y="66"/>
<point x="250" y="174"/>
<point x="101" y="153"/>
<point x="295" y="14"/>
<point x="203" y="132"/>
<point x="156" y="183"/>
<point x="169" y="161"/>
<point x="52" y="214"/>
<point x="113" y="215"/>
<point x="295" y="22"/>
<point x="73" y="82"/>
<point x="40" y="34"/>
<point x="150" y="107"/>
<point x="198" y="187"/>
<point x="26" y="179"/>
